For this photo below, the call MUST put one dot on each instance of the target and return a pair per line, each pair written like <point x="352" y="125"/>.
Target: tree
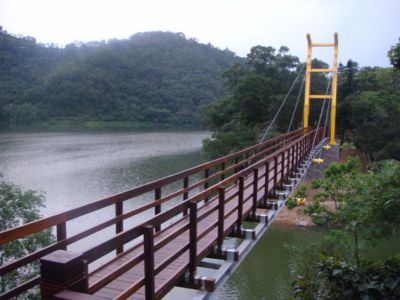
<point x="18" y="207"/>
<point x="394" y="55"/>
<point x="153" y="77"/>
<point x="368" y="110"/>
<point x="367" y="209"/>
<point x="334" y="278"/>
<point x="257" y="89"/>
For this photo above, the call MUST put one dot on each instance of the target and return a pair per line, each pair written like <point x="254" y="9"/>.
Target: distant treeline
<point x="153" y="77"/>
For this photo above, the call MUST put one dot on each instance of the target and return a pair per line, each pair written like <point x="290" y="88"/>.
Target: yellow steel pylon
<point x="333" y="70"/>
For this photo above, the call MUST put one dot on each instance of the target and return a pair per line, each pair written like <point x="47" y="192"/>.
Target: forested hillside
<point x="153" y="77"/>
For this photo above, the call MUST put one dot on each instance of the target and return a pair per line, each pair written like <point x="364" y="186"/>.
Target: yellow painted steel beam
<point x="309" y="40"/>
<point x="323" y="45"/>
<point x="334" y="89"/>
<point x="321" y="97"/>
<point x="306" y="110"/>
<point x="322" y="70"/>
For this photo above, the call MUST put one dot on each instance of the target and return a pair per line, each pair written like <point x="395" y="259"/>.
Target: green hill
<point x="153" y="77"/>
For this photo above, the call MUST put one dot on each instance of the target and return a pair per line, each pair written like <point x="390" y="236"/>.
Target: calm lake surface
<point x="77" y="168"/>
<point x="73" y="169"/>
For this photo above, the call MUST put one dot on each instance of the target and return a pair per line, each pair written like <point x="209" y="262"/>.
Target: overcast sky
<point x="367" y="28"/>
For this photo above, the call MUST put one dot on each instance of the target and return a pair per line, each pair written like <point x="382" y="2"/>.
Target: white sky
<point x="367" y="28"/>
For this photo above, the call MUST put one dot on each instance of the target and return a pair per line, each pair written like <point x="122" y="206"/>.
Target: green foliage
<point x="234" y="137"/>
<point x="394" y="55"/>
<point x="336" y="179"/>
<point x="304" y="261"/>
<point x="368" y="209"/>
<point x="337" y="279"/>
<point x="368" y="109"/>
<point x="16" y="208"/>
<point x="301" y="192"/>
<point x="365" y="203"/>
<point x="348" y="146"/>
<point x="291" y="203"/>
<point x="157" y="77"/>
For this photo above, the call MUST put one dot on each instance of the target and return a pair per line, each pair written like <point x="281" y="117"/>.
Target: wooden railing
<point x="284" y="161"/>
<point x="210" y="176"/>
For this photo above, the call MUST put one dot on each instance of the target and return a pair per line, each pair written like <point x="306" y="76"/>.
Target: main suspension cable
<point x="326" y="119"/>
<point x="297" y="102"/>
<point x="283" y="103"/>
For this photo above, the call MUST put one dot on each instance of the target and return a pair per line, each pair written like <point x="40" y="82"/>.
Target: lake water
<point x="76" y="168"/>
<point x="73" y="169"/>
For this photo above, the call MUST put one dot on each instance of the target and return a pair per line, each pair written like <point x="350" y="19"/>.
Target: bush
<point x="16" y="208"/>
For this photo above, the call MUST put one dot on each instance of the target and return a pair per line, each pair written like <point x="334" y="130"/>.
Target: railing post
<point x="255" y="193"/>
<point x="223" y="169"/>
<point x="246" y="157"/>
<point x="157" y="208"/>
<point x="236" y="162"/>
<point x="292" y="163"/>
<point x="305" y="147"/>
<point x="221" y="215"/>
<point x="282" y="168"/>
<point x="61" y="270"/>
<point x="149" y="262"/>
<point x="266" y="183"/>
<point x="192" y="241"/>
<point x="287" y="164"/>
<point x="62" y="233"/>
<point x="206" y="184"/>
<point x="185" y="194"/>
<point x="275" y="172"/>
<point x="240" y="204"/>
<point x="119" y="226"/>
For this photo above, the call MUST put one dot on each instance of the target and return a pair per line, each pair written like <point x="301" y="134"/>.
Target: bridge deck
<point x="173" y="272"/>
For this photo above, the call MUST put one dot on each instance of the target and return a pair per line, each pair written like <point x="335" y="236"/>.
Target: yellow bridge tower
<point x="332" y="96"/>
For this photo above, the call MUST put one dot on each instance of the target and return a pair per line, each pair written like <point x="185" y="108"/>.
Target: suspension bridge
<point x="184" y="225"/>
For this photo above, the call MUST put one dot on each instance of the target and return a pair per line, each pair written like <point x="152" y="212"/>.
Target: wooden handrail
<point x="38" y="225"/>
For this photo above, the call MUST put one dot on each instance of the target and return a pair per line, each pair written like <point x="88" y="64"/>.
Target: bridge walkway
<point x="207" y="234"/>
